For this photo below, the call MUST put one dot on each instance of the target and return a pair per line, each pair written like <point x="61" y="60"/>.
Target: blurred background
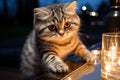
<point x="16" y="22"/>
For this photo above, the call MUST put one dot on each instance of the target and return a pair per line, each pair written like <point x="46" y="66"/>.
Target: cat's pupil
<point x="52" y="27"/>
<point x="67" y="24"/>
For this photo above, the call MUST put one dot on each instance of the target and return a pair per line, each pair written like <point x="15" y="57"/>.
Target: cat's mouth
<point x="60" y="35"/>
<point x="57" y="37"/>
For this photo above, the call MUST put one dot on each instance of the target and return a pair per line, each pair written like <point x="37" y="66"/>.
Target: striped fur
<point x="55" y="35"/>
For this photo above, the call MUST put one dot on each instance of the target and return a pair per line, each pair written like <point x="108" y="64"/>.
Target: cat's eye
<point x="52" y="27"/>
<point x="67" y="24"/>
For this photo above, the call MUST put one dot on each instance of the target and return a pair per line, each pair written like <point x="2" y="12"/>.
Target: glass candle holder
<point x="110" y="56"/>
<point x="96" y="53"/>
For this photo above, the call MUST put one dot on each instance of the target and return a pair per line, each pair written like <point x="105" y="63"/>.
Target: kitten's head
<point x="56" y="21"/>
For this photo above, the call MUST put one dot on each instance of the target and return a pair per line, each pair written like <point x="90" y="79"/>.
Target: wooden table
<point x="78" y="71"/>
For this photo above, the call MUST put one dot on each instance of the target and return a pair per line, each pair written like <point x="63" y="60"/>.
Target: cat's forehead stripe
<point x="41" y="27"/>
<point x="58" y="13"/>
<point x="48" y="23"/>
<point x="37" y="13"/>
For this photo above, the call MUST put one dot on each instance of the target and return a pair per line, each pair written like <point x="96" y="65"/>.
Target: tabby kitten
<point x="55" y="35"/>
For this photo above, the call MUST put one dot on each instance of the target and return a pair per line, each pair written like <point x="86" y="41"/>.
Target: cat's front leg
<point x="54" y="63"/>
<point x="89" y="57"/>
<point x="82" y="51"/>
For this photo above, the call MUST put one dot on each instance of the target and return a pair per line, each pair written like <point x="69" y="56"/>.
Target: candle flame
<point x="112" y="53"/>
<point x="69" y="78"/>
<point x="113" y="48"/>
<point x="119" y="62"/>
<point x="107" y="68"/>
<point x="96" y="52"/>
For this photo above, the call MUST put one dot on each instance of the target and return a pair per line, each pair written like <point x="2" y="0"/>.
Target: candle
<point x="97" y="56"/>
<point x="110" y="56"/>
<point x="96" y="53"/>
<point x="107" y="67"/>
<point x="112" y="52"/>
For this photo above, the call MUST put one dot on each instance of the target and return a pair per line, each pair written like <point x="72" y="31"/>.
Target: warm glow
<point x="112" y="53"/>
<point x="113" y="48"/>
<point x="107" y="67"/>
<point x="69" y="78"/>
<point x="110" y="57"/>
<point x="96" y="52"/>
<point x="119" y="61"/>
<point x="116" y="13"/>
<point x="106" y="75"/>
<point x="95" y="62"/>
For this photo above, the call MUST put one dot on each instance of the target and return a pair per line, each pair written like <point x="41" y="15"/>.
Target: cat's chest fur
<point x="69" y="44"/>
<point x="65" y="45"/>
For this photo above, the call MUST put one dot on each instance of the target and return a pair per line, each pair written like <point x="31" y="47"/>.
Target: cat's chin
<point x="61" y="37"/>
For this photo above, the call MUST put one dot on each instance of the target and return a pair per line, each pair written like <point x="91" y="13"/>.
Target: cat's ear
<point x="41" y="13"/>
<point x="70" y="8"/>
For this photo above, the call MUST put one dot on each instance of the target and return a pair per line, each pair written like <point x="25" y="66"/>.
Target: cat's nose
<point x="61" y="32"/>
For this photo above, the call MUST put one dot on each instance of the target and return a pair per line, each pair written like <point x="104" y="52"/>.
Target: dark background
<point x="16" y="22"/>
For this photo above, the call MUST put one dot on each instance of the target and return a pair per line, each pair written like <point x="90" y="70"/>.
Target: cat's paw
<point x="89" y="57"/>
<point x="58" y="67"/>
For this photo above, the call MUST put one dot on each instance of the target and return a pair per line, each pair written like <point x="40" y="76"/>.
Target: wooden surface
<point x="79" y="70"/>
<point x="73" y="65"/>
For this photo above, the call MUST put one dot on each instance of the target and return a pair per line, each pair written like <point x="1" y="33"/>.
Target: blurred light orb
<point x="93" y="14"/>
<point x="84" y="8"/>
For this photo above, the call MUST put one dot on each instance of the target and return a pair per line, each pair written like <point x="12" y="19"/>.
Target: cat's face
<point x="56" y="21"/>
